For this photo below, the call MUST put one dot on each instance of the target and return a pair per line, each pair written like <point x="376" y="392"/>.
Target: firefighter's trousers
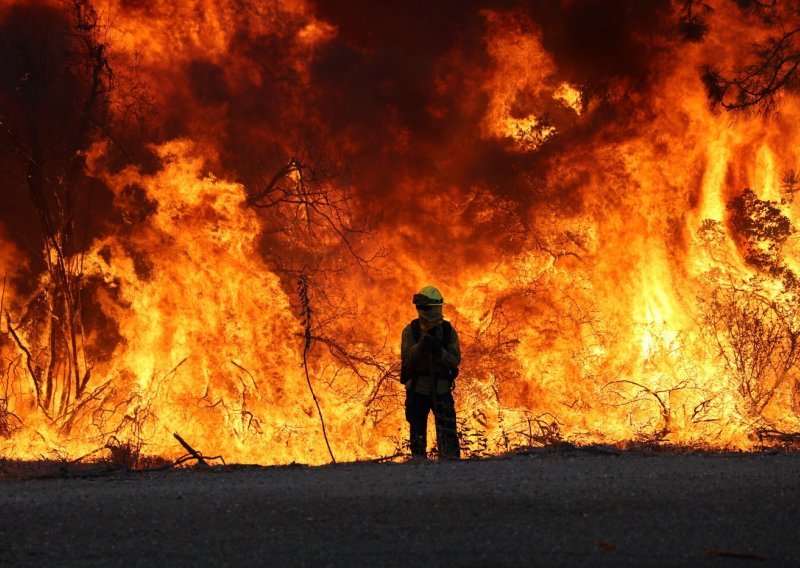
<point x="418" y="406"/>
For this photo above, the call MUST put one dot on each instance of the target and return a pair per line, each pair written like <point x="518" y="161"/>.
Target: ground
<point x="569" y="508"/>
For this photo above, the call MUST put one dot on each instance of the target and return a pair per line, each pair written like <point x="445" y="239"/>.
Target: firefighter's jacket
<point x="419" y="359"/>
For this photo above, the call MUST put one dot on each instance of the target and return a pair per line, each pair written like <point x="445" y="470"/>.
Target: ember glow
<point x="618" y="256"/>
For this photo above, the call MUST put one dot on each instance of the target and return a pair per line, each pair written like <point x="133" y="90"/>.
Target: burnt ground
<point x="573" y="508"/>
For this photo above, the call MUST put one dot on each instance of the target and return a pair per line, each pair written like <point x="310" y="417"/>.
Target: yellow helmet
<point x="428" y="296"/>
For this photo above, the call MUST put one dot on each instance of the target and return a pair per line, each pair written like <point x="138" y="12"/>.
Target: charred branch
<point x="73" y="412"/>
<point x="548" y="434"/>
<point x="770" y="437"/>
<point x="194" y="453"/>
<point x="304" y="198"/>
<point x="662" y="398"/>
<point x="306" y="314"/>
<point x="33" y="369"/>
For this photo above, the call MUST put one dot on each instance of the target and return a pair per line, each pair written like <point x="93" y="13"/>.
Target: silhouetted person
<point x="430" y="356"/>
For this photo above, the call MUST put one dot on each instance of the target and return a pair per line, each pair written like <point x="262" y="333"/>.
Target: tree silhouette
<point x="55" y="99"/>
<point x="756" y="85"/>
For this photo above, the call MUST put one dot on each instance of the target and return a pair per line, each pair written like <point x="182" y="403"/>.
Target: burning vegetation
<point x="214" y="216"/>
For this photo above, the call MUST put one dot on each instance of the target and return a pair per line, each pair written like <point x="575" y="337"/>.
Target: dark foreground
<point x="559" y="509"/>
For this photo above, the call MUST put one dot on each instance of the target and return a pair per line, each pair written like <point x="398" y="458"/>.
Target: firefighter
<point x="430" y="355"/>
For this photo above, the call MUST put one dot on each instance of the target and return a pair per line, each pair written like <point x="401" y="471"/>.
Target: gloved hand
<point x="434" y="344"/>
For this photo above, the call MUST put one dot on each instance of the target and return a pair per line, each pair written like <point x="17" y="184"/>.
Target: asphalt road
<point x="560" y="509"/>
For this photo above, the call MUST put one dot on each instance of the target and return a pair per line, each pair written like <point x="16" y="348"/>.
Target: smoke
<point x="394" y="94"/>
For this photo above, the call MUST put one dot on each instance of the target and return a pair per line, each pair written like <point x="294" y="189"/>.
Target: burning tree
<point x="757" y="338"/>
<point x="55" y="92"/>
<point x="754" y="321"/>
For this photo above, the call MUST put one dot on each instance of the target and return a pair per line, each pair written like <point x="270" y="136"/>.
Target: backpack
<point x="407" y="374"/>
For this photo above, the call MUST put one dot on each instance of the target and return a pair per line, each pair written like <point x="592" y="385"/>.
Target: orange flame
<point x="584" y="243"/>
